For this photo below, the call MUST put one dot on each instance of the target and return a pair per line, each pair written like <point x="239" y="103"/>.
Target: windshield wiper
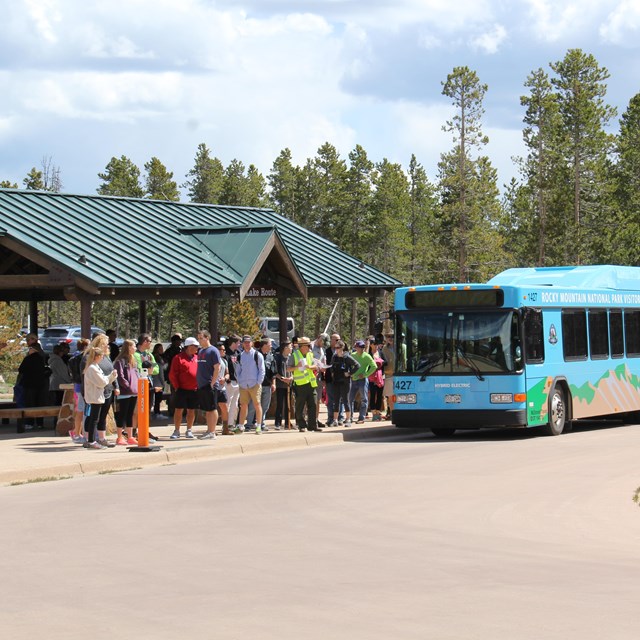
<point x="430" y="365"/>
<point x="469" y="363"/>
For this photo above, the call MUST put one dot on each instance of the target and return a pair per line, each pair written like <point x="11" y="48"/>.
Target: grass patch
<point x="42" y="479"/>
<point x="636" y="496"/>
<point x="108" y="471"/>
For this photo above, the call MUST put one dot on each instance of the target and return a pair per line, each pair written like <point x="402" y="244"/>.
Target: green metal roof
<point x="129" y="242"/>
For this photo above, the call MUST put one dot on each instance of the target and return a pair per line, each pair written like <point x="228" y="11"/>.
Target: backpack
<point x="75" y="362"/>
<point x="376" y="377"/>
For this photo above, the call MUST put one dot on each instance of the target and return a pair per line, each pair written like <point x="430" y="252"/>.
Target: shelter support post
<point x="213" y="320"/>
<point x="142" y="316"/>
<point x="85" y="318"/>
<point x="282" y="317"/>
<point x="372" y="314"/>
<point x="33" y="316"/>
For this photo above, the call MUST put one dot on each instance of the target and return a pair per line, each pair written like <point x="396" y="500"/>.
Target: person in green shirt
<point x="360" y="380"/>
<point x="145" y="361"/>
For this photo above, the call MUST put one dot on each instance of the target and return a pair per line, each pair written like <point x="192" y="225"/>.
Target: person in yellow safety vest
<point x="303" y="369"/>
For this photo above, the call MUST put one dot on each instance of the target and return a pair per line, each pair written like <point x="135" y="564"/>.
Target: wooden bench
<point x="7" y="405"/>
<point x="28" y="413"/>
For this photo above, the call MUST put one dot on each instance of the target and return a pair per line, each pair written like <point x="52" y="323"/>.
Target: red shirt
<point x="182" y="373"/>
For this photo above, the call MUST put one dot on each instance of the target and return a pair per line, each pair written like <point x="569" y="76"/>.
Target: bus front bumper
<point x="477" y="419"/>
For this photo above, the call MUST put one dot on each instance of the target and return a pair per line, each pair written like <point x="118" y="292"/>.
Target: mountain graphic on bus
<point x="616" y="391"/>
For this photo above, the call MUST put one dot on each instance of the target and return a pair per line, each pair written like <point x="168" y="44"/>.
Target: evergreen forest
<point x="575" y="200"/>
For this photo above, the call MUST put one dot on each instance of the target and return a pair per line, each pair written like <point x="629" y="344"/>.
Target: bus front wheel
<point x="557" y="413"/>
<point x="442" y="432"/>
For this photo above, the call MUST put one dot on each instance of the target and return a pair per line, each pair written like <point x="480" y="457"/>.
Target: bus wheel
<point x="557" y="413"/>
<point x="443" y="432"/>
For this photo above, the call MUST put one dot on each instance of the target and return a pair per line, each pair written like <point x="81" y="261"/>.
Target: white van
<point x="270" y="327"/>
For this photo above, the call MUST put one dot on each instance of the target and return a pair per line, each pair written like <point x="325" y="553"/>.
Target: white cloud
<point x="147" y="77"/>
<point x="395" y="14"/>
<point x="555" y="20"/>
<point x="622" y="26"/>
<point x="46" y="17"/>
<point x="418" y="129"/>
<point x="490" y="41"/>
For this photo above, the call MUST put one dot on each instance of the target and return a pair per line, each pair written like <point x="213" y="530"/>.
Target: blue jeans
<point x="363" y="387"/>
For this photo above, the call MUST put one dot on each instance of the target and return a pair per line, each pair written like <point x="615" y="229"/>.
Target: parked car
<point x="68" y="333"/>
<point x="270" y="327"/>
<point x="25" y="330"/>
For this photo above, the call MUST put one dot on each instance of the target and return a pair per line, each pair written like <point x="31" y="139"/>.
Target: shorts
<point x="186" y="399"/>
<point x="78" y="402"/>
<point x="222" y="396"/>
<point x="251" y="393"/>
<point x="208" y="398"/>
<point x="388" y="386"/>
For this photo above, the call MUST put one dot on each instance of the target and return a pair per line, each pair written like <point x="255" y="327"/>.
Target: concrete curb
<point x="113" y="461"/>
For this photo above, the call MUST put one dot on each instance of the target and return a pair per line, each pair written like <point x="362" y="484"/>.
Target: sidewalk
<point x="43" y="455"/>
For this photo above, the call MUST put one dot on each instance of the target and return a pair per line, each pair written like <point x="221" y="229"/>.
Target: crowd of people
<point x="232" y="383"/>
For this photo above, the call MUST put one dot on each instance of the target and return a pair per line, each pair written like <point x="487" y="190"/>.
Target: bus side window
<point x="632" y="332"/>
<point x="533" y="336"/>
<point x="616" y="333"/>
<point x="574" y="334"/>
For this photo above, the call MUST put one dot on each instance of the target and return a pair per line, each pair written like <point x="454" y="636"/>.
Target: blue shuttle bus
<point x="534" y="347"/>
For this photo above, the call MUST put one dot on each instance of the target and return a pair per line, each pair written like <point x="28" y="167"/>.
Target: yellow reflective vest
<point x="308" y="375"/>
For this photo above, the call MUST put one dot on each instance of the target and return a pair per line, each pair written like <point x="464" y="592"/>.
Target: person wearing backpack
<point x="343" y="366"/>
<point x="75" y="369"/>
<point x="376" y="382"/>
<point x="360" y="380"/>
<point x="268" y="383"/>
<point x="250" y="373"/>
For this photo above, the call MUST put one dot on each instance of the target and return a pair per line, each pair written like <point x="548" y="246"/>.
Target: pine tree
<point x="542" y="120"/>
<point x="7" y="184"/>
<point x="391" y="205"/>
<point x="580" y="85"/>
<point x="10" y="348"/>
<point x="327" y="176"/>
<point x="625" y="249"/>
<point x="241" y="319"/>
<point x="354" y="228"/>
<point x="467" y="185"/>
<point x="121" y="178"/>
<point x="159" y="183"/>
<point x="234" y="190"/>
<point x="206" y="179"/>
<point x="424" y="253"/>
<point x="255" y="189"/>
<point x="283" y="182"/>
<point x="34" y="180"/>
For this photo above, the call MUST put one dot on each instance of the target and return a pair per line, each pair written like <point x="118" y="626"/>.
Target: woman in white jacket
<point x="94" y="383"/>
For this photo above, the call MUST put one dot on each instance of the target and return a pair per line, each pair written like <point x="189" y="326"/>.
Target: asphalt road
<point x="492" y="535"/>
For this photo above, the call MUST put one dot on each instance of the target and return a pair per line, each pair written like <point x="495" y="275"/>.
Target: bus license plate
<point x="453" y="398"/>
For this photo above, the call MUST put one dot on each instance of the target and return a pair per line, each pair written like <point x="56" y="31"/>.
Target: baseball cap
<point x="247" y="339"/>
<point x="191" y="342"/>
<point x="359" y="343"/>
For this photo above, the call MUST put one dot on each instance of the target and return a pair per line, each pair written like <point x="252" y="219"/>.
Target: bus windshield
<point x="458" y="342"/>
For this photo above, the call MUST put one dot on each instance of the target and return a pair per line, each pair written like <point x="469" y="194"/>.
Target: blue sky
<point x="81" y="82"/>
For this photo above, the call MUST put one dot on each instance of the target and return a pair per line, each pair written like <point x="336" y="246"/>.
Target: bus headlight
<point x="406" y="398"/>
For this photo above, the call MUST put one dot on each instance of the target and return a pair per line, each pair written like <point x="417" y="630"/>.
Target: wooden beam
<point x="57" y="275"/>
<point x="24" y="281"/>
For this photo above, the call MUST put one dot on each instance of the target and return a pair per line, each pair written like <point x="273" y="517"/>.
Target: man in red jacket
<point x="182" y="376"/>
